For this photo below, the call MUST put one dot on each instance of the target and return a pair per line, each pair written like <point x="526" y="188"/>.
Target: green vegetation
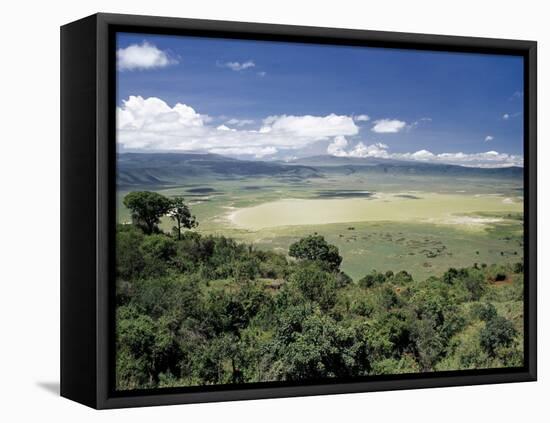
<point x="179" y="213"/>
<point x="147" y="208"/>
<point x="200" y="309"/>
<point x="424" y="219"/>
<point x="315" y="248"/>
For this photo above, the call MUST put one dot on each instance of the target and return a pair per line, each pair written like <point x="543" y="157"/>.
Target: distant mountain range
<point x="393" y="166"/>
<point x="172" y="168"/>
<point x="153" y="169"/>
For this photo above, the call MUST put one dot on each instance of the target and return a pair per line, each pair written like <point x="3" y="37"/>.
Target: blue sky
<point x="271" y="100"/>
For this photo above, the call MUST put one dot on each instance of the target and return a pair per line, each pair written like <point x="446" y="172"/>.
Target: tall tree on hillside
<point x="147" y="208"/>
<point x="315" y="248"/>
<point x="179" y="212"/>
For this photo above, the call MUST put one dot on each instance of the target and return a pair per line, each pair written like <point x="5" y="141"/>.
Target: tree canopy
<point x="147" y="208"/>
<point x="315" y="248"/>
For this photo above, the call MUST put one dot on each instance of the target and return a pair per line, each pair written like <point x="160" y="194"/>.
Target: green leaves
<point x="316" y="284"/>
<point x="147" y="208"/>
<point x="498" y="332"/>
<point x="195" y="310"/>
<point x="315" y="248"/>
<point x="311" y="345"/>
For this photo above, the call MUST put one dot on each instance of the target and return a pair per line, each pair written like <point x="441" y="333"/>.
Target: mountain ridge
<point x="167" y="168"/>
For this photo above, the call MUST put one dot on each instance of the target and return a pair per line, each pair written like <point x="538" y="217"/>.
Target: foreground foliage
<point x="196" y="310"/>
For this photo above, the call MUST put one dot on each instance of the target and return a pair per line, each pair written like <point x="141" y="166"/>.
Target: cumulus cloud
<point x="142" y="56"/>
<point x="379" y="150"/>
<point x="362" y="118"/>
<point x="337" y="147"/>
<point x="388" y="126"/>
<point x="339" y="144"/>
<point x="152" y="124"/>
<point x="489" y="138"/>
<point x="422" y="155"/>
<point x="307" y="126"/>
<point x="238" y="66"/>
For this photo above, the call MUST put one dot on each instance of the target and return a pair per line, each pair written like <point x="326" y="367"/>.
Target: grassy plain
<point x="414" y="222"/>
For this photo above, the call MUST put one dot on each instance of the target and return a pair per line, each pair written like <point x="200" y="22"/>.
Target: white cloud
<point x="506" y="116"/>
<point x="262" y="74"/>
<point x="422" y="155"/>
<point x="378" y="150"/>
<point x="224" y="128"/>
<point x="489" y="138"/>
<point x="337" y="146"/>
<point x="485" y="159"/>
<point x="240" y="122"/>
<point x="362" y="118"/>
<point x="152" y="124"/>
<point x="388" y="126"/>
<point x="315" y="127"/>
<point x="238" y="66"/>
<point x="142" y="56"/>
<point x="154" y="115"/>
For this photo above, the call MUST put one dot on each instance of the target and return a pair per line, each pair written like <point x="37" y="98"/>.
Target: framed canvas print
<point x="254" y="211"/>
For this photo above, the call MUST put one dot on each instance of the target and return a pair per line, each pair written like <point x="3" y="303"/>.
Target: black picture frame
<point x="88" y="152"/>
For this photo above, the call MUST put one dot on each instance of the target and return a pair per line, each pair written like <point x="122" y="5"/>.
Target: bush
<point x="342" y="279"/>
<point x="316" y="284"/>
<point x="309" y="346"/>
<point x="159" y="247"/>
<point x="484" y="311"/>
<point x="498" y="332"/>
<point x="158" y="251"/>
<point x="475" y="284"/>
<point x="129" y="258"/>
<point x="271" y="265"/>
<point x="192" y="312"/>
<point x="371" y="279"/>
<point x="518" y="267"/>
<point x="402" y="277"/>
<point x="244" y="270"/>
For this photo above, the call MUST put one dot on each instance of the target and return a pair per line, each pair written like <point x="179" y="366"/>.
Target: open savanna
<point x="422" y="223"/>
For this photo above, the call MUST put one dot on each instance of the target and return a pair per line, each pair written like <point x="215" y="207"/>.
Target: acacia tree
<point x="179" y="212"/>
<point x="147" y="208"/>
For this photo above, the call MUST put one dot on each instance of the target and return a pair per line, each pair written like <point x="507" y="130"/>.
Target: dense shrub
<point x="208" y="310"/>
<point x="498" y="332"/>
